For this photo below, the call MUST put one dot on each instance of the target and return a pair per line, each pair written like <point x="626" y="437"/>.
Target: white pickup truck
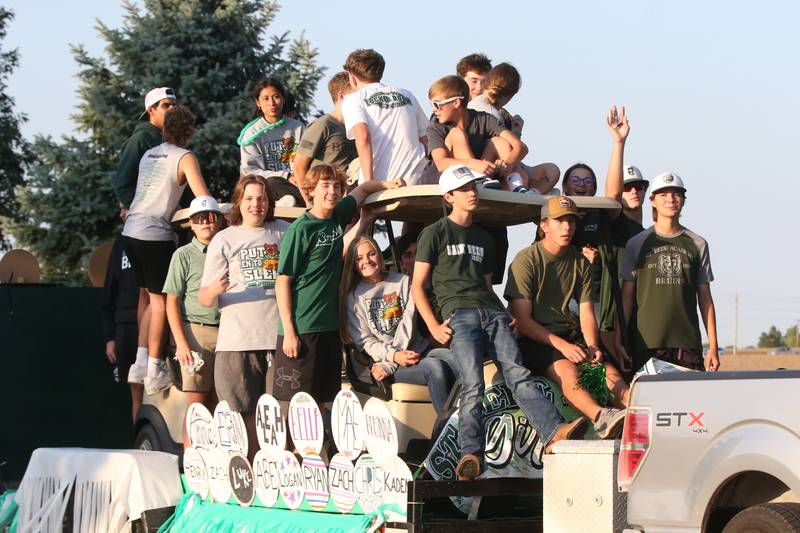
<point x="712" y="452"/>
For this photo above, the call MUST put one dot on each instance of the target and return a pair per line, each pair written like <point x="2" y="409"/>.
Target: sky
<point x="711" y="89"/>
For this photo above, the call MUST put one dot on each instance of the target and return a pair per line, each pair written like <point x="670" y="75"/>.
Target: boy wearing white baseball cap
<point x="667" y="275"/>
<point x="194" y="327"/>
<point x="146" y="135"/>
<point x="456" y="256"/>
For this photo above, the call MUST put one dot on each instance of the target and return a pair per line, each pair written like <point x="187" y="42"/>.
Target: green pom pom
<point x="592" y="378"/>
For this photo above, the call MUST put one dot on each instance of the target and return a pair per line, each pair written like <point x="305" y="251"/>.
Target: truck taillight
<point x="635" y="441"/>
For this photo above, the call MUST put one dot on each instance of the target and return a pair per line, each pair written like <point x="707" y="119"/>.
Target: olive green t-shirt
<point x="311" y="254"/>
<point x="667" y="272"/>
<point x="614" y="235"/>
<point x="325" y="141"/>
<point x="460" y="257"/>
<point x="550" y="282"/>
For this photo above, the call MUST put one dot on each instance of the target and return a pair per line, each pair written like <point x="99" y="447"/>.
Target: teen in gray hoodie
<point x="380" y="321"/>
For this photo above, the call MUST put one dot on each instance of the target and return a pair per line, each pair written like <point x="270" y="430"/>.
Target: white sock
<point x="141" y="356"/>
<point x="152" y="366"/>
<point x="514" y="181"/>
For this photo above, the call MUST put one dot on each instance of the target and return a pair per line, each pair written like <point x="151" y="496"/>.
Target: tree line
<point x="55" y="194"/>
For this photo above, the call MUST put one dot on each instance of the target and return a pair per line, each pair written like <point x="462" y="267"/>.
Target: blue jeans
<point x="435" y="369"/>
<point x="474" y="332"/>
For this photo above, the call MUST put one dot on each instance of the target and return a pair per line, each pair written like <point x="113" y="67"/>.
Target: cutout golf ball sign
<point x="305" y="424"/>
<point x="267" y="476"/>
<point x="347" y="424"/>
<point x="230" y="426"/>
<point x="270" y="425"/>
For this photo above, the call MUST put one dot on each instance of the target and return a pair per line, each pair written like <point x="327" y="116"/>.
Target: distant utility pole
<point x="735" y="320"/>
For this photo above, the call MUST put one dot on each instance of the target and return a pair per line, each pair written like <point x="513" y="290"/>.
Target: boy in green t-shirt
<point x="666" y="275"/>
<point x="309" y="351"/>
<point x="194" y="327"/>
<point x="456" y="256"/>
<point x="542" y="280"/>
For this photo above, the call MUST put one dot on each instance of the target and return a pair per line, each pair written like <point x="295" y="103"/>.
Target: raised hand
<point x="617" y="123"/>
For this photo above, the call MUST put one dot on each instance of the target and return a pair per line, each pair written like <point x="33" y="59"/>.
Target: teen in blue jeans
<point x="456" y="257"/>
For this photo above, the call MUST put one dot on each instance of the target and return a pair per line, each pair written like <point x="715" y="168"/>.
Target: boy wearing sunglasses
<point x="461" y="136"/>
<point x="387" y="123"/>
<point x="194" y="327"/>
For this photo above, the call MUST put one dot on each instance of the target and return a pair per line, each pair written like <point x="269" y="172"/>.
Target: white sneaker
<point x="137" y="373"/>
<point x="533" y="192"/>
<point x="161" y="381"/>
<point x="286" y="201"/>
<point x="486" y="183"/>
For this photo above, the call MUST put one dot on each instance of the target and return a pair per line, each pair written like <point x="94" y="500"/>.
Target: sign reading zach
<point x="291" y="479"/>
<point x="200" y="427"/>
<point x="380" y="432"/>
<point x="265" y="468"/>
<point x="315" y="481"/>
<point x="270" y="426"/>
<point x="218" y="482"/>
<point x="369" y="482"/>
<point x="305" y="423"/>
<point x="341" y="481"/>
<point x="241" y="477"/>
<point x="230" y="426"/>
<point x="347" y="424"/>
<point x="194" y="468"/>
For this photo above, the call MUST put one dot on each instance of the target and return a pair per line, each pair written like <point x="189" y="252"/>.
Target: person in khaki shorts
<point x="194" y="327"/>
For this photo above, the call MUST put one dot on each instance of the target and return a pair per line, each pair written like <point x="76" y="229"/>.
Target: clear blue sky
<point x="711" y="89"/>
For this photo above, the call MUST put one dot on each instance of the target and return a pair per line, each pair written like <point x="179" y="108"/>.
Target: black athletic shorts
<point x="317" y="370"/>
<point x="150" y="261"/>
<point x="537" y="357"/>
<point x="685" y="357"/>
<point x="126" y="342"/>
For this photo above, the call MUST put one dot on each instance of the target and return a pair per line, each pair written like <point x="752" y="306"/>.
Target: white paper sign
<point x="218" y="483"/>
<point x="396" y="476"/>
<point x="291" y="478"/>
<point x="315" y="481"/>
<point x="230" y="426"/>
<point x="270" y="425"/>
<point x="194" y="468"/>
<point x="347" y="424"/>
<point x="380" y="431"/>
<point x="200" y="427"/>
<point x="265" y="469"/>
<point x="341" y="481"/>
<point x="369" y="483"/>
<point x="305" y="424"/>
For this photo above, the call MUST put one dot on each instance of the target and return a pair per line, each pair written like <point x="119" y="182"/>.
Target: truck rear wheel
<point x="766" y="518"/>
<point x="147" y="439"/>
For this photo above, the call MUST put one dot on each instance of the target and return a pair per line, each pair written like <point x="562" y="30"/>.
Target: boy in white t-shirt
<point x="386" y="122"/>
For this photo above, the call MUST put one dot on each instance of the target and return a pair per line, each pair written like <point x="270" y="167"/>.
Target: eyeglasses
<point x="206" y="217"/>
<point x="638" y="186"/>
<point x="577" y="180"/>
<point x="438" y="104"/>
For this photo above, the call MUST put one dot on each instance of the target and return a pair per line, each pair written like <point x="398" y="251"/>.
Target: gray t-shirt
<point x="268" y="150"/>
<point x="325" y="141"/>
<point x="157" y="194"/>
<point x="248" y="310"/>
<point x="381" y="319"/>
<point x="482" y="127"/>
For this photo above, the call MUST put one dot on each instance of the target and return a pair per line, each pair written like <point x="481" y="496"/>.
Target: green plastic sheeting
<point x="8" y="511"/>
<point x="196" y="515"/>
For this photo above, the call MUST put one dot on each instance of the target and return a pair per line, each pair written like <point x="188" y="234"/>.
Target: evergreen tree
<point x="211" y="52"/>
<point x="14" y="151"/>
